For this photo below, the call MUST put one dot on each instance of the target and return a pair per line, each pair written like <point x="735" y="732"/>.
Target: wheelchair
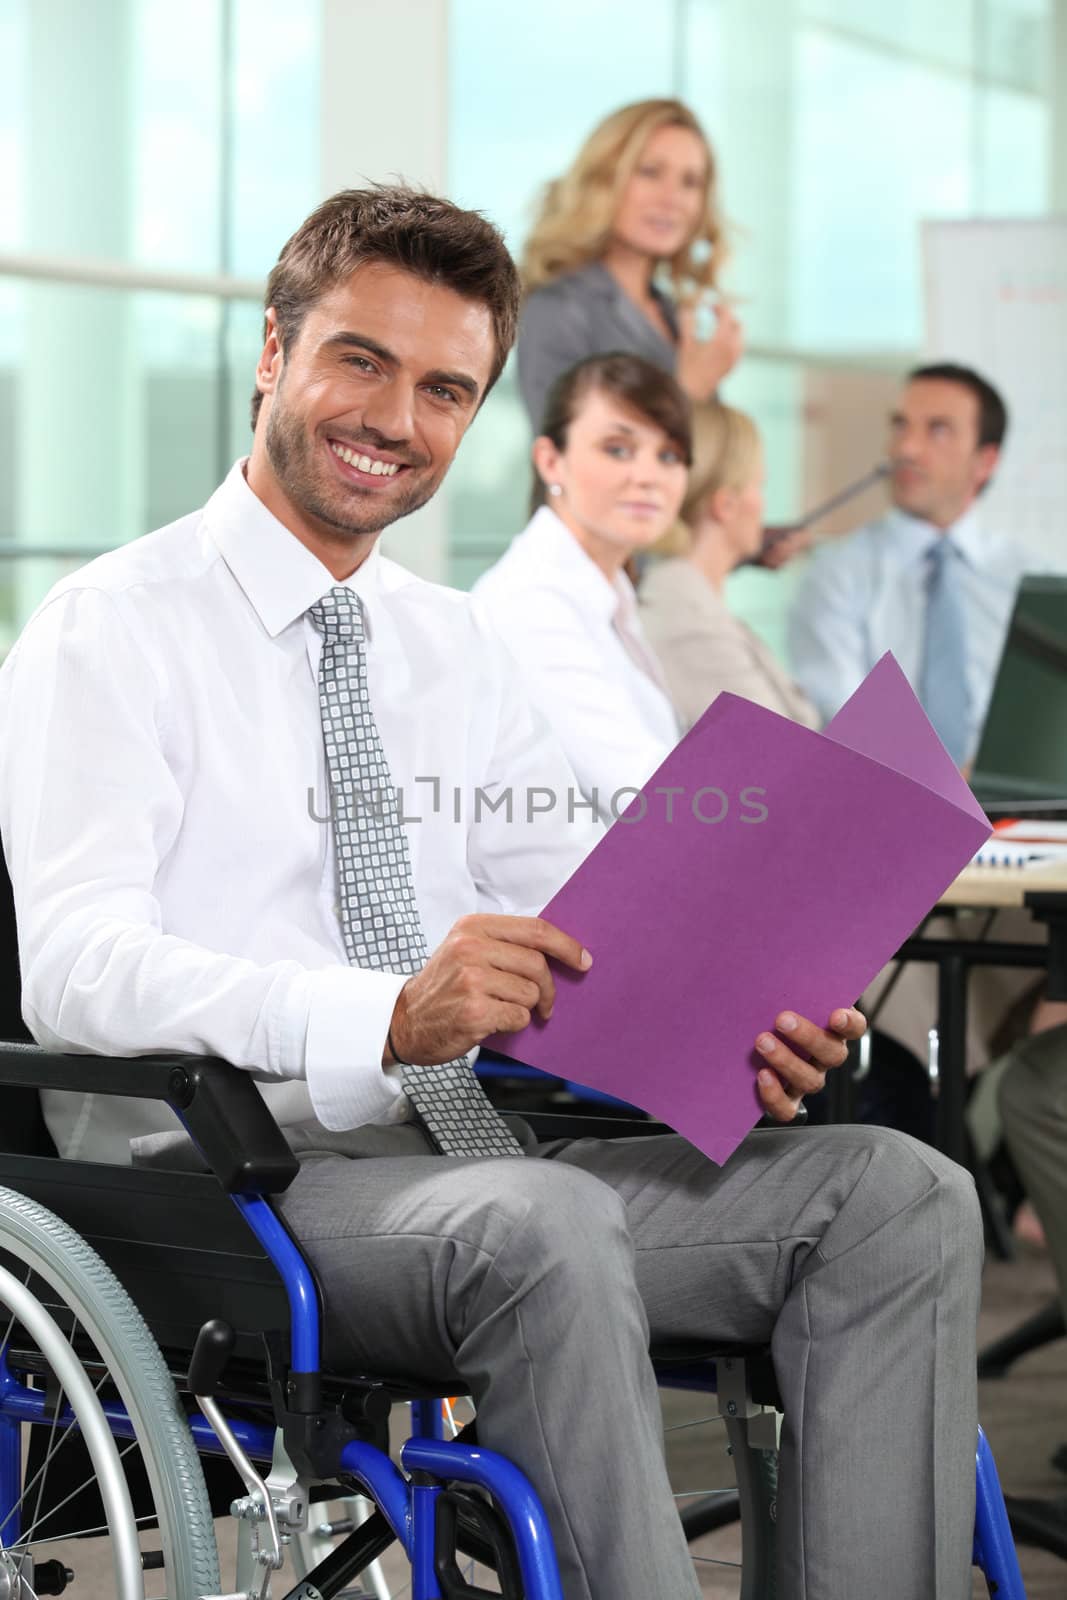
<point x="163" y="1330"/>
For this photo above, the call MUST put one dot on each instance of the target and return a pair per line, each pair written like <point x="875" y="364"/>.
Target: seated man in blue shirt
<point x="172" y="721"/>
<point x="929" y="581"/>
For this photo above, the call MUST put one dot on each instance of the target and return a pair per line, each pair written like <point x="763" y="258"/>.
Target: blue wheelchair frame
<point x="211" y="1099"/>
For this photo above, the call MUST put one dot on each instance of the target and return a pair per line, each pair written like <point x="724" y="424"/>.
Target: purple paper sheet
<point x="703" y="930"/>
<point x="885" y="721"/>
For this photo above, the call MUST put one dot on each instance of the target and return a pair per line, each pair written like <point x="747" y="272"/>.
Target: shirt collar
<point x="279" y="576"/>
<point x="911" y="537"/>
<point x="550" y="537"/>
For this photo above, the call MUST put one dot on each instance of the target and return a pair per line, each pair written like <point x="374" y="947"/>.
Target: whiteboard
<point x="996" y="300"/>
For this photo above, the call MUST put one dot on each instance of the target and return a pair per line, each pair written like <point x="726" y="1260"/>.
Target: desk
<point x="1000" y="887"/>
<point x="1042" y="889"/>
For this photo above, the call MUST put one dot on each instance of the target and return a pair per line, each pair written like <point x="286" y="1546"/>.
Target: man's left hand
<point x="787" y="1076"/>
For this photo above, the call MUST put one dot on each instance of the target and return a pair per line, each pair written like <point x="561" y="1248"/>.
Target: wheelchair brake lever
<point x="257" y="1505"/>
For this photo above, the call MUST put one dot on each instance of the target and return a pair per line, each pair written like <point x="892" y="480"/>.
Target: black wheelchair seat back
<point x="175" y="1241"/>
<point x="22" y="1126"/>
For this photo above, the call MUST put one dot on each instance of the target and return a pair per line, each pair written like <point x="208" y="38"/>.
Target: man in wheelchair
<point x="242" y="762"/>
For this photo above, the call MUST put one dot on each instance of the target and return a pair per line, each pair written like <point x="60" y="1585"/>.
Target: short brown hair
<point x="992" y="412"/>
<point x="637" y="383"/>
<point x="405" y="228"/>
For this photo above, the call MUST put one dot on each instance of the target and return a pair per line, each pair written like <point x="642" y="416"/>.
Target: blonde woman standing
<point x="701" y="645"/>
<point x="642" y="193"/>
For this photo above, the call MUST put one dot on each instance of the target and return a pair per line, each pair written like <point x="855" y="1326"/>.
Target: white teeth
<point x="377" y="469"/>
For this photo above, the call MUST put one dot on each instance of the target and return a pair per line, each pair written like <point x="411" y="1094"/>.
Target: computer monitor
<point x="1022" y="754"/>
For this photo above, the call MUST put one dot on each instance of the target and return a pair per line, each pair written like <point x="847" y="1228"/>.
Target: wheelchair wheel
<point x="67" y="1327"/>
<point x="730" y="1520"/>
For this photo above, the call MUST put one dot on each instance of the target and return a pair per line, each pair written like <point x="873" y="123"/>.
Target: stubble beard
<point x="291" y="453"/>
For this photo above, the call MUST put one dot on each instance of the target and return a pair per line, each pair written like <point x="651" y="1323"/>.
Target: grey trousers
<point x="539" y="1283"/>
<point x="1033" y="1108"/>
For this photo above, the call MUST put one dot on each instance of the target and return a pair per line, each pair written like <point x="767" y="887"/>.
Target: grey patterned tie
<point x="943" y="687"/>
<point x="379" y="915"/>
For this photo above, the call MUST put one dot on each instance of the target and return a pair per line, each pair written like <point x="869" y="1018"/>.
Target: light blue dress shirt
<point x="867" y="593"/>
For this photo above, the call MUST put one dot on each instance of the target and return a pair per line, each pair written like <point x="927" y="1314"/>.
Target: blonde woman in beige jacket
<point x="702" y="646"/>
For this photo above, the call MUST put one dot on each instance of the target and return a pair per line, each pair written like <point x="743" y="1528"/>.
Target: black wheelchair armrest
<point x="219" y="1104"/>
<point x="573" y="1125"/>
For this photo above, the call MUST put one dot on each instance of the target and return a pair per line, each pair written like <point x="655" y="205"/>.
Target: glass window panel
<point x="129" y="167"/>
<point x="1013" y="179"/>
<point x="177" y="352"/>
<point x="879" y="143"/>
<point x="109" y="134"/>
<point x="737" y="68"/>
<point x="117" y="135"/>
<point x="523" y="98"/>
<point x="941" y="33"/>
<point x="489" y="485"/>
<point x="139" y="373"/>
<point x="1015" y="41"/>
<point x="274" y="178"/>
<point x="161" y="386"/>
<point x="13" y="78"/>
<point x="175" y="133"/>
<point x="518" y="116"/>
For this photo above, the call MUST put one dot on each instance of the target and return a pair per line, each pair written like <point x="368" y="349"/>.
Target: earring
<point x="555" y="488"/>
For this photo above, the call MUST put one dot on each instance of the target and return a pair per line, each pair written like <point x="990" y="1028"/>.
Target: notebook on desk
<point x="1021" y="765"/>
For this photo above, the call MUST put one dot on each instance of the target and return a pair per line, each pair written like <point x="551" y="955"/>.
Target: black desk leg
<point x="952" y="1133"/>
<point x="952" y="975"/>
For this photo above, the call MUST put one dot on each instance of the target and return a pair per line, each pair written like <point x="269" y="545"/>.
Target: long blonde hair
<point x="577" y="210"/>
<point x="726" y="455"/>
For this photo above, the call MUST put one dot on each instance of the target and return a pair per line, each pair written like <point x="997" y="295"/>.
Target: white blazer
<point x="583" y="653"/>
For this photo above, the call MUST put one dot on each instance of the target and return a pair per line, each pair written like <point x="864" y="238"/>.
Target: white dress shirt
<point x="164" y="811"/>
<point x="579" y="642"/>
<point x="866" y="593"/>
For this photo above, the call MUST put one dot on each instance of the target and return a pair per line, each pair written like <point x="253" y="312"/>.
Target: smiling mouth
<point x="359" y="461"/>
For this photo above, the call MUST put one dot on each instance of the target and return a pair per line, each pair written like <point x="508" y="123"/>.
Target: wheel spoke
<point x="49" y="1452"/>
<point x="87" y="1533"/>
<point x="700" y="1422"/>
<point x="42" y="1474"/>
<point x="85" y="1484"/>
<point x="53" y="1451"/>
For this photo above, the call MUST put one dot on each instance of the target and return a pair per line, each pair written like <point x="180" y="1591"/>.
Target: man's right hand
<point x="490" y="975"/>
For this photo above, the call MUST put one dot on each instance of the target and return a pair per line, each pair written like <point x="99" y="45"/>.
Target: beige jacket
<point x="705" y="649"/>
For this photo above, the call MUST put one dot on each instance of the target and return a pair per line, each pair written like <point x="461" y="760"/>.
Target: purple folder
<point x="762" y="867"/>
